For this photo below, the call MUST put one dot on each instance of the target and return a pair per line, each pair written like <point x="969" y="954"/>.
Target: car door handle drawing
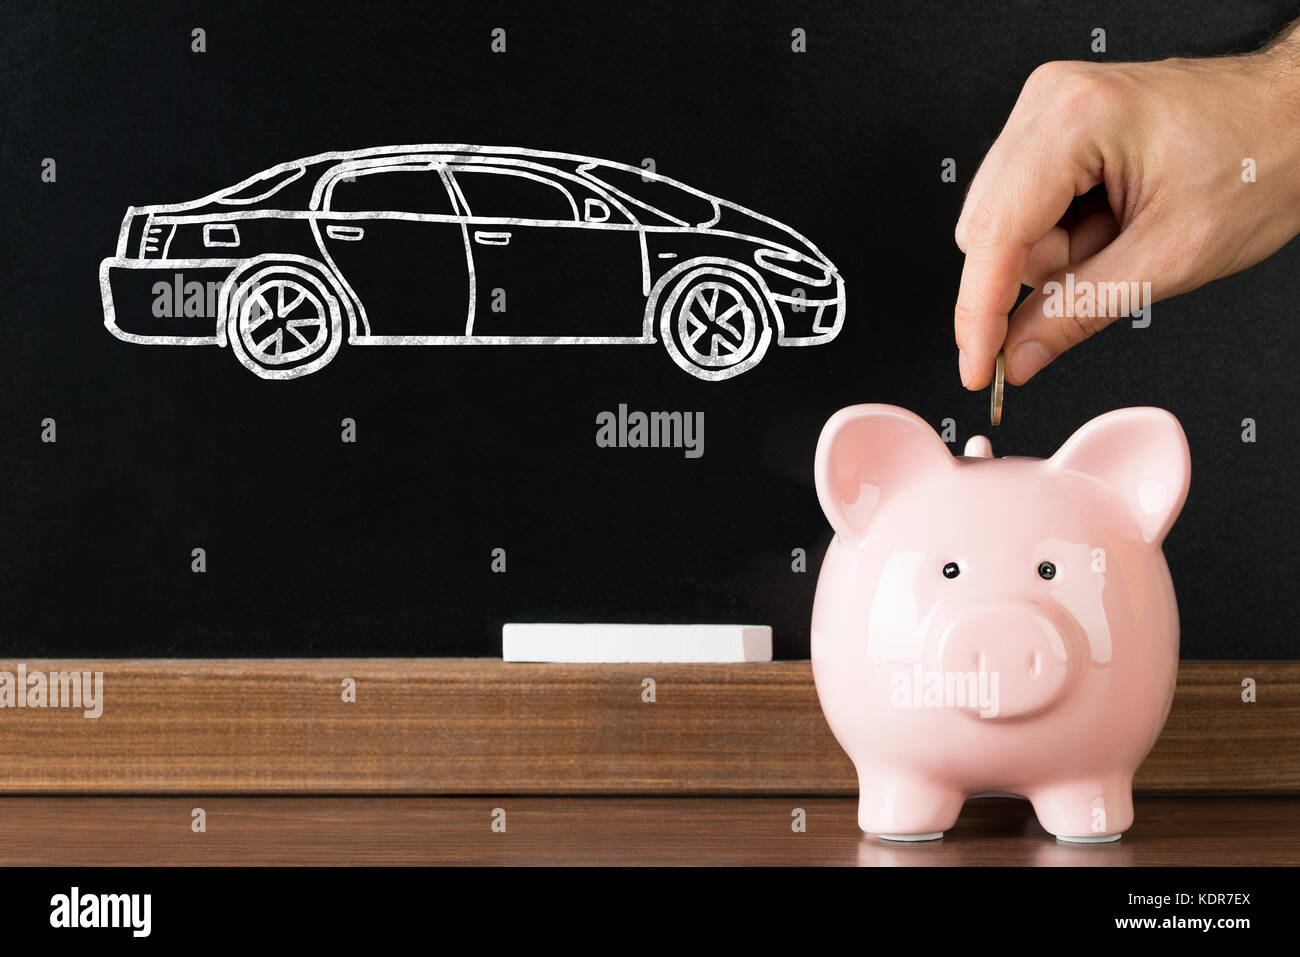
<point x="349" y="234"/>
<point x="491" y="239"/>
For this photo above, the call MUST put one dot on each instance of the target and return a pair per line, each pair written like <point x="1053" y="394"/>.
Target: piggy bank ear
<point x="1139" y="454"/>
<point x="867" y="453"/>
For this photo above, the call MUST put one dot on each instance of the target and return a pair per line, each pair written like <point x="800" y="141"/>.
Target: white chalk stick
<point x="593" y="643"/>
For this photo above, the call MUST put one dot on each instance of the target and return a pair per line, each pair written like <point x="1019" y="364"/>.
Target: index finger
<point x="1018" y="204"/>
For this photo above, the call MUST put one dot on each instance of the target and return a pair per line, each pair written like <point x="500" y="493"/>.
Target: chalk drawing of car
<point x="466" y="245"/>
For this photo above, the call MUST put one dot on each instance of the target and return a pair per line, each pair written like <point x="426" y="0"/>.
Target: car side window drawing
<point x="491" y="192"/>
<point x="654" y="196"/>
<point x="409" y="189"/>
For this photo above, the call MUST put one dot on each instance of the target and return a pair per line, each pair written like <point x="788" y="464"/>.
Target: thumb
<point x="1083" y="299"/>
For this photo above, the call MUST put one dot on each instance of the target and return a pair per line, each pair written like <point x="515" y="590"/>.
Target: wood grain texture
<point x="481" y="726"/>
<point x="155" y="831"/>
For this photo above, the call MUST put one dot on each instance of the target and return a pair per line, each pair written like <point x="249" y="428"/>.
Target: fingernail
<point x="1028" y="357"/>
<point x="963" y="366"/>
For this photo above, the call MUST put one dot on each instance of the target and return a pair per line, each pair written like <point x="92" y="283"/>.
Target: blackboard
<point x="385" y="545"/>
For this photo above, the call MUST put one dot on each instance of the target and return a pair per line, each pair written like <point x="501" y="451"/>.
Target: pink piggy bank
<point x="997" y="626"/>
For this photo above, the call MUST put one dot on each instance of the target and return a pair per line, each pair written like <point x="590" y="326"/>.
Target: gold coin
<point x="995" y="393"/>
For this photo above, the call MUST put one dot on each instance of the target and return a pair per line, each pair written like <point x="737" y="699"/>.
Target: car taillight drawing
<point x="466" y="245"/>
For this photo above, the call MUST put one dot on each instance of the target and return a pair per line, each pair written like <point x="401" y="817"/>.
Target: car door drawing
<point x="552" y="260"/>
<point x="394" y="235"/>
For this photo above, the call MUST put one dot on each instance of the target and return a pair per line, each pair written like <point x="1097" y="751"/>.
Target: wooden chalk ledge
<point x="483" y="726"/>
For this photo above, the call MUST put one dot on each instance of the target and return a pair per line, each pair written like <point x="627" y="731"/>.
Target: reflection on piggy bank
<point x="987" y="625"/>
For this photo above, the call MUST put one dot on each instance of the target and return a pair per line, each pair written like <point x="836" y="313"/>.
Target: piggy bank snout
<point x="1019" y="653"/>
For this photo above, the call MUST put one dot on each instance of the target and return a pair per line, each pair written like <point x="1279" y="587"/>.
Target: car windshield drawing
<point x="466" y="245"/>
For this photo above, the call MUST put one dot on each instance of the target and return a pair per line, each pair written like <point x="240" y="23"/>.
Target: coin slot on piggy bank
<point x="997" y="625"/>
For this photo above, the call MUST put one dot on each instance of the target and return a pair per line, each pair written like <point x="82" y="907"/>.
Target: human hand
<point x="1169" y="141"/>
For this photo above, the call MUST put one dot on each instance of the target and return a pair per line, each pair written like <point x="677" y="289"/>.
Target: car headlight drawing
<point x="795" y="266"/>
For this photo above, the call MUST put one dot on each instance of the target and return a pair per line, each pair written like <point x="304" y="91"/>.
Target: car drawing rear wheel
<point x="283" y="322"/>
<point x="713" y="322"/>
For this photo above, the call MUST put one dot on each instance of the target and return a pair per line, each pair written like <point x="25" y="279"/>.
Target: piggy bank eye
<point x="1046" y="571"/>
<point x="951" y="570"/>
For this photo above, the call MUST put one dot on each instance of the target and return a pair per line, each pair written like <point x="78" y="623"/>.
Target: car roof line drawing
<point x="585" y="165"/>
<point x="715" y="314"/>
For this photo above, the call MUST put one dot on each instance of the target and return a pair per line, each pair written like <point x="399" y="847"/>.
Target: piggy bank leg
<point x="1086" y="812"/>
<point x="901" y="807"/>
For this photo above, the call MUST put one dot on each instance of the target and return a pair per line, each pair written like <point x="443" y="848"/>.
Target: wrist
<point x="1275" y="76"/>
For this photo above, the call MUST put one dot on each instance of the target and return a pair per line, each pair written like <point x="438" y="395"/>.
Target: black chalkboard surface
<point x="357" y="508"/>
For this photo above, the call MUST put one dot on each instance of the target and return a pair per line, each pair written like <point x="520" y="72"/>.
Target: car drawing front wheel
<point x="713" y="322"/>
<point x="283" y="321"/>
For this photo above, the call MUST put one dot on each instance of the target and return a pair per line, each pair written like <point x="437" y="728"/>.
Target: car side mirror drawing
<point x="595" y="211"/>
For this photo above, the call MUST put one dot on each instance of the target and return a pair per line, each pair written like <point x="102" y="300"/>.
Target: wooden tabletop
<point x="79" y="831"/>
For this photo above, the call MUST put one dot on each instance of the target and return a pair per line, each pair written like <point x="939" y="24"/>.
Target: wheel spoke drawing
<point x="293" y="328"/>
<point x="285" y="308"/>
<point x="295" y="325"/>
<point x="717" y="327"/>
<point x="258" y="313"/>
